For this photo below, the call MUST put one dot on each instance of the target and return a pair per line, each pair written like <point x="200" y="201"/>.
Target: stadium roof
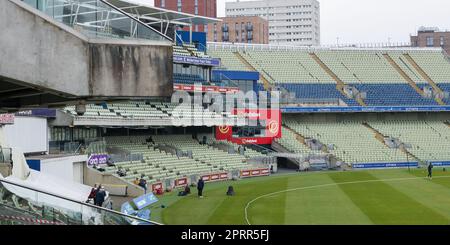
<point x="158" y="15"/>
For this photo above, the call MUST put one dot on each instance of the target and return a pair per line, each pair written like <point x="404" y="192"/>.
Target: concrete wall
<point x="92" y="177"/>
<point x="29" y="134"/>
<point x="62" y="167"/>
<point x="61" y="119"/>
<point x="38" y="52"/>
<point x="131" y="70"/>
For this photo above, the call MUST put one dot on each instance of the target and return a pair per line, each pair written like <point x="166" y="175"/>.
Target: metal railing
<point x="65" y="210"/>
<point x="97" y="18"/>
<point x="276" y="47"/>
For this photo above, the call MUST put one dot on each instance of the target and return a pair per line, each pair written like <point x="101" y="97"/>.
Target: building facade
<point x="206" y="8"/>
<point x="240" y="30"/>
<point x="291" y="22"/>
<point x="431" y="37"/>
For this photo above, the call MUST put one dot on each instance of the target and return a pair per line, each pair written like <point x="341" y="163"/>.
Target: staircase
<point x="412" y="156"/>
<point x="407" y="78"/>
<point x="267" y="85"/>
<point x="447" y="123"/>
<point x="380" y="137"/>
<point x="425" y="76"/>
<point x="302" y="139"/>
<point x="340" y="84"/>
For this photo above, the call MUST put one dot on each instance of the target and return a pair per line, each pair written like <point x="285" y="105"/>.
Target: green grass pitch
<point x="388" y="197"/>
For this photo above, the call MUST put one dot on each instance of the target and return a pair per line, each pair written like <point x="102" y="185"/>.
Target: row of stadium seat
<point x="393" y="95"/>
<point x="353" y="142"/>
<point x="351" y="66"/>
<point x="189" y="50"/>
<point x="377" y="94"/>
<point x="249" y="153"/>
<point x="143" y="110"/>
<point x="318" y="91"/>
<point x="159" y="165"/>
<point x="349" y="139"/>
<point x="430" y="140"/>
<point x="188" y="78"/>
<point x="229" y="60"/>
<point x="291" y="143"/>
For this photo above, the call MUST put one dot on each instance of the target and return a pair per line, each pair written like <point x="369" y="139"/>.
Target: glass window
<point x="430" y="41"/>
<point x="442" y="41"/>
<point x="88" y="16"/>
<point x="179" y="5"/>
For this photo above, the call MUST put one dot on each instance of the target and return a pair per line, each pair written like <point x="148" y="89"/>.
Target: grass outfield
<point x="360" y="197"/>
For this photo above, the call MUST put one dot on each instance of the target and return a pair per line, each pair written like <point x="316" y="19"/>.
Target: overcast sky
<point x="368" y="21"/>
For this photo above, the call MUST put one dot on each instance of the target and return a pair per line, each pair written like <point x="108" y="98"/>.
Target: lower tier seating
<point x="358" y="141"/>
<point x="159" y="165"/>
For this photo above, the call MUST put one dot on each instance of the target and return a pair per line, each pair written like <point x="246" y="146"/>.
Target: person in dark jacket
<point x="230" y="191"/>
<point x="100" y="197"/>
<point x="186" y="191"/>
<point x="143" y="184"/>
<point x="430" y="171"/>
<point x="200" y="186"/>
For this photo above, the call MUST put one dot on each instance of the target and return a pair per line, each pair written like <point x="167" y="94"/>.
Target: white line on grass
<point x="331" y="184"/>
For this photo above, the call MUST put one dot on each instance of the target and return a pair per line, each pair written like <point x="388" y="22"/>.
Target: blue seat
<point x="318" y="91"/>
<point x="446" y="88"/>
<point x="188" y="78"/>
<point x="393" y="94"/>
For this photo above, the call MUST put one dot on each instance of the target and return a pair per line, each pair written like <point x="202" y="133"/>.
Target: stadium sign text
<point x="195" y="61"/>
<point x="385" y="165"/>
<point x="97" y="159"/>
<point x="353" y="109"/>
<point x="230" y="109"/>
<point x="7" y="119"/>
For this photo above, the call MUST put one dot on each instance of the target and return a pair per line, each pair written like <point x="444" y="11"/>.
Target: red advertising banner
<point x="181" y="182"/>
<point x="192" y="88"/>
<point x="265" y="172"/>
<point x="255" y="173"/>
<point x="157" y="186"/>
<point x="7" y="118"/>
<point x="215" y="177"/>
<point x="223" y="176"/>
<point x="272" y="119"/>
<point x="245" y="173"/>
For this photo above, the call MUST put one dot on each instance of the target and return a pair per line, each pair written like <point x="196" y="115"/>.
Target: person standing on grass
<point x="200" y="186"/>
<point x="430" y="171"/>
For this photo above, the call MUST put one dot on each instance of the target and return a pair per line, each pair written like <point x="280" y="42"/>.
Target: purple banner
<point x="96" y="160"/>
<point x="43" y="112"/>
<point x="196" y="61"/>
